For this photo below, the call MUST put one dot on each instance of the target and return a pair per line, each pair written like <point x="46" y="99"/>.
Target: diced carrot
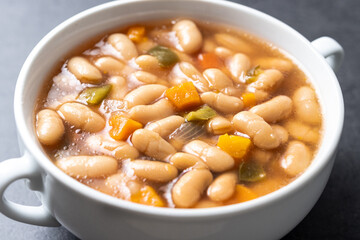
<point x="184" y="96"/>
<point x="137" y="34"/>
<point x="148" y="196"/>
<point x="236" y="146"/>
<point x="248" y="99"/>
<point x="122" y="127"/>
<point x="243" y="194"/>
<point x="209" y="60"/>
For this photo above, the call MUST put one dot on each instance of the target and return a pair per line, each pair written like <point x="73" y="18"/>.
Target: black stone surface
<point x="337" y="213"/>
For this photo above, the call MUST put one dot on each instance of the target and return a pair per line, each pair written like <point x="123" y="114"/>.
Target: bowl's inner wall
<point x="63" y="39"/>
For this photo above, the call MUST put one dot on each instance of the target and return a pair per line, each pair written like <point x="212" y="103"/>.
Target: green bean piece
<point x="202" y="114"/>
<point x="95" y="95"/>
<point x="253" y="74"/>
<point x="250" y="171"/>
<point x="164" y="55"/>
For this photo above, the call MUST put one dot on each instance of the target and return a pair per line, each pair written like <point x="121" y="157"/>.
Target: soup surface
<point x="180" y="113"/>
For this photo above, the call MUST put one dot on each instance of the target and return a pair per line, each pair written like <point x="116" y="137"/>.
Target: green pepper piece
<point x="164" y="55"/>
<point x="203" y="114"/>
<point x="250" y="171"/>
<point x="95" y="95"/>
<point x="253" y="74"/>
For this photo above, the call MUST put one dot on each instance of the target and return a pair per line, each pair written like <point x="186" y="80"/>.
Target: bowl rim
<point x="263" y="201"/>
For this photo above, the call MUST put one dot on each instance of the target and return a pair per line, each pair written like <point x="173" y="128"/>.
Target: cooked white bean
<point x="49" y="127"/>
<point x="189" y="188"/>
<point x="261" y="156"/>
<point x="223" y="53"/>
<point x="216" y="159"/>
<point x="209" y="45"/>
<point x="189" y="36"/>
<point x="166" y="126"/>
<point x="281" y="133"/>
<point x="267" y="82"/>
<point x="144" y="95"/>
<point x="217" y="79"/>
<point x="119" y="87"/>
<point x="109" y="65"/>
<point x="255" y="126"/>
<point x="183" y="161"/>
<point x="195" y="76"/>
<point x="206" y="203"/>
<point x="122" y="186"/>
<point x="223" y="187"/>
<point x="233" y="43"/>
<point x="118" y="149"/>
<point x="274" y="110"/>
<point x="238" y="66"/>
<point x="222" y="103"/>
<point x="80" y="116"/>
<point x="148" y="63"/>
<point x="147" y="113"/>
<point x="123" y="45"/>
<point x="149" y="78"/>
<point x="296" y="159"/>
<point x="306" y="106"/>
<point x="88" y="166"/>
<point x="153" y="170"/>
<point x="84" y="70"/>
<point x="280" y="64"/>
<point x="219" y="125"/>
<point x="144" y="46"/>
<point x="303" y="132"/>
<point x="151" y="144"/>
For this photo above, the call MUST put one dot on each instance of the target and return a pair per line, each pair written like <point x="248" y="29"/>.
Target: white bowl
<point x="90" y="214"/>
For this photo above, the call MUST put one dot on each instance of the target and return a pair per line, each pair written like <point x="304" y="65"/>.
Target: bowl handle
<point x="23" y="168"/>
<point x="331" y="50"/>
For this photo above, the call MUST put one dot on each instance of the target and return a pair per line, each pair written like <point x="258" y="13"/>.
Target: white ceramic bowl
<point x="90" y="214"/>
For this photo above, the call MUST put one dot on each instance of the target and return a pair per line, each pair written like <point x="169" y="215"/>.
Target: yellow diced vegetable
<point x="249" y="100"/>
<point x="148" y="196"/>
<point x="137" y="34"/>
<point x="236" y="146"/>
<point x="184" y="96"/>
<point x="122" y="127"/>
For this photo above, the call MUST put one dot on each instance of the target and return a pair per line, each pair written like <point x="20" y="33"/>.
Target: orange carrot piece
<point x="235" y="146"/>
<point x="242" y="194"/>
<point x="148" y="196"/>
<point x="248" y="99"/>
<point x="209" y="60"/>
<point x="137" y="34"/>
<point x="122" y="127"/>
<point x="184" y="96"/>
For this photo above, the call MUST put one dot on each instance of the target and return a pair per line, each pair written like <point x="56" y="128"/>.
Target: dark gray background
<point x="335" y="216"/>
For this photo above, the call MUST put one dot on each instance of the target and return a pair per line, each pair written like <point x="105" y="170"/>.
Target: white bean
<point x="80" y="116"/>
<point x="149" y="78"/>
<point x="122" y="186"/>
<point x="88" y="166"/>
<point x="255" y="126"/>
<point x="223" y="53"/>
<point x="281" y="133"/>
<point x="109" y="65"/>
<point x="123" y="45"/>
<point x="219" y="125"/>
<point x="233" y="43"/>
<point x="189" y="36"/>
<point x="166" y="126"/>
<point x="183" y="161"/>
<point x="195" y="76"/>
<point x="147" y="113"/>
<point x="49" y="127"/>
<point x="274" y="110"/>
<point x="307" y="108"/>
<point x="118" y="149"/>
<point x="223" y="187"/>
<point x="216" y="159"/>
<point x="153" y="170"/>
<point x="238" y="66"/>
<point x="148" y="63"/>
<point x="217" y="79"/>
<point x="189" y="188"/>
<point x="303" y="132"/>
<point x="283" y="65"/>
<point x="296" y="158"/>
<point x="151" y="144"/>
<point x="84" y="70"/>
<point x="144" y="95"/>
<point x="222" y="103"/>
<point x="119" y="87"/>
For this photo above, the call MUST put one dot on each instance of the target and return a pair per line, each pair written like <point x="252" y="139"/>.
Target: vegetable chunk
<point x="122" y="127"/>
<point x="184" y="96"/>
